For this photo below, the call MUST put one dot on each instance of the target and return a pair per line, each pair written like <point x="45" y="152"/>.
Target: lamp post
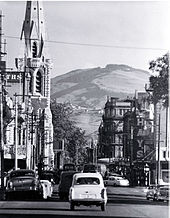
<point x="16" y="132"/>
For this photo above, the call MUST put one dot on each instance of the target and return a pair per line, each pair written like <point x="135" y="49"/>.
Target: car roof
<point x="87" y="175"/>
<point x="22" y="170"/>
<point x="71" y="172"/>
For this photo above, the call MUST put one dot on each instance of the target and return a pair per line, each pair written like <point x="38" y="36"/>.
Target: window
<point x="88" y="180"/>
<point x="34" y="50"/>
<point x="38" y="82"/>
<point x="164" y="154"/>
<point x="30" y="83"/>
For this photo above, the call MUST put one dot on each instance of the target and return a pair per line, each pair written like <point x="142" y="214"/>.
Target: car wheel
<point x="103" y="207"/>
<point x="147" y="198"/>
<point x="72" y="206"/>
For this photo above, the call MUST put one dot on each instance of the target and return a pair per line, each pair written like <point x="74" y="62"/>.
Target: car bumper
<point x="150" y="196"/>
<point x="89" y="201"/>
<point x="124" y="185"/>
<point x="22" y="193"/>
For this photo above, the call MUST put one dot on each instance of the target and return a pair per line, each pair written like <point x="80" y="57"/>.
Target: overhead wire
<point x="96" y="45"/>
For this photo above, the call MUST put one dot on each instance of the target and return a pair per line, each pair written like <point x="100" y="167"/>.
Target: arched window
<point x="38" y="82"/>
<point x="30" y="83"/>
<point x="34" y="50"/>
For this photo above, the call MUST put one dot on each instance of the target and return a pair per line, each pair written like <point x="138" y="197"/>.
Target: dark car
<point x="23" y="183"/>
<point x="69" y="167"/>
<point x="151" y="192"/>
<point x="89" y="168"/>
<point x="162" y="194"/>
<point x="65" y="184"/>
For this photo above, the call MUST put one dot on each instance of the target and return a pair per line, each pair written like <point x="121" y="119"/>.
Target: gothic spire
<point x="33" y="29"/>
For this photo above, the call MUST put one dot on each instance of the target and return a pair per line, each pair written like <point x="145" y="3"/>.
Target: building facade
<point x="31" y="128"/>
<point x="111" y="129"/>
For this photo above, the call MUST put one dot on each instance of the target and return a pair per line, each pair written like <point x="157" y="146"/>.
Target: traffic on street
<point x="122" y="202"/>
<point x="88" y="194"/>
<point x="84" y="109"/>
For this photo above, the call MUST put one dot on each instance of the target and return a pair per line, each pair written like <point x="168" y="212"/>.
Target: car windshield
<point x="119" y="178"/>
<point x="87" y="180"/>
<point x="22" y="173"/>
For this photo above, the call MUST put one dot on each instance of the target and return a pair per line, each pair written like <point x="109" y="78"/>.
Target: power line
<point x="97" y="45"/>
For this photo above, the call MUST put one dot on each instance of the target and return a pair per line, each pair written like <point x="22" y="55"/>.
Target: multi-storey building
<point x="138" y="139"/>
<point x="111" y="129"/>
<point x="126" y="137"/>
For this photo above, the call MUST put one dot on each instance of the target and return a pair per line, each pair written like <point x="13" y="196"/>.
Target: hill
<point x="87" y="90"/>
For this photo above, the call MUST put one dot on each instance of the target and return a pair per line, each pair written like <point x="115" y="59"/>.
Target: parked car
<point x="151" y="190"/>
<point x="87" y="189"/>
<point x="65" y="184"/>
<point x="47" y="188"/>
<point x="117" y="180"/>
<point x="162" y="193"/>
<point x="23" y="183"/>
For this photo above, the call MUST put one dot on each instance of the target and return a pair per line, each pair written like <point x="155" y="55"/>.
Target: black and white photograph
<point x="84" y="109"/>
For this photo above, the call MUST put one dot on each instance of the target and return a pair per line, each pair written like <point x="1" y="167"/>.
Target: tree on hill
<point x="159" y="82"/>
<point x="65" y="128"/>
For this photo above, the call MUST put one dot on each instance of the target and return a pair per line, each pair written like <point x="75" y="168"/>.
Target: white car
<point x="116" y="181"/>
<point x="47" y="188"/>
<point x="87" y="189"/>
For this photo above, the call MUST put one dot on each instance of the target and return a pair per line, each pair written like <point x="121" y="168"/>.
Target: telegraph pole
<point x="16" y="132"/>
<point x="2" y="69"/>
<point x="158" y="163"/>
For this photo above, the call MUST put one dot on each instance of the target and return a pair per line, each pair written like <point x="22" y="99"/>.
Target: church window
<point x="30" y="84"/>
<point x="38" y="82"/>
<point x="34" y="50"/>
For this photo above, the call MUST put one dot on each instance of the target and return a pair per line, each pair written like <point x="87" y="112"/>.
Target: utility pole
<point x="158" y="162"/>
<point x="16" y="132"/>
<point x="2" y="71"/>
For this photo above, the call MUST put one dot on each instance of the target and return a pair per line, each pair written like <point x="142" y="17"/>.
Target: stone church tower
<point x="36" y="89"/>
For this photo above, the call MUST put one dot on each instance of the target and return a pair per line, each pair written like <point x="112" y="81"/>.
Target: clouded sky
<point x="117" y="32"/>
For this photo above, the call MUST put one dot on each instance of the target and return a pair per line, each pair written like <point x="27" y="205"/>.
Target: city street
<point x="122" y="202"/>
<point x="84" y="109"/>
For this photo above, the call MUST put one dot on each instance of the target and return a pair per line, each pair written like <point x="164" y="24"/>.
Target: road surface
<point x="122" y="203"/>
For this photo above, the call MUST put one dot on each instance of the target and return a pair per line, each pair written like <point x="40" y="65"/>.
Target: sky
<point x="87" y="34"/>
